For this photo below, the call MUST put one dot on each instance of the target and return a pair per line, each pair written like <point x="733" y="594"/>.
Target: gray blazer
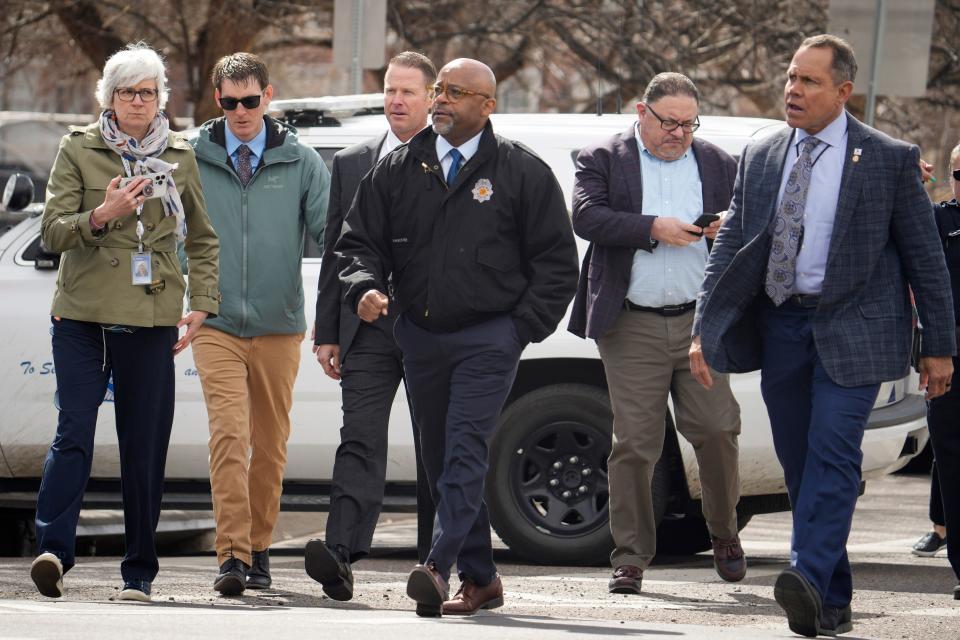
<point x="607" y="203"/>
<point x="335" y="322"/>
<point x="884" y="239"/>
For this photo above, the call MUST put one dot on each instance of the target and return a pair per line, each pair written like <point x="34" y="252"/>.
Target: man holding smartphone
<point x="642" y="199"/>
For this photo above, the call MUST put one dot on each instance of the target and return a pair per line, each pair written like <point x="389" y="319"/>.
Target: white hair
<point x="126" y="68"/>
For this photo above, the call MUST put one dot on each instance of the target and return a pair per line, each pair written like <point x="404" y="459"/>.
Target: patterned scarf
<point x="142" y="157"/>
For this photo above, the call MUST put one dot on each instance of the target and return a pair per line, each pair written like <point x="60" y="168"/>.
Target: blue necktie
<point x="456" y="158"/>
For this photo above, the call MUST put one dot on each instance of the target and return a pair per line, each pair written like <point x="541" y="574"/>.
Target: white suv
<point x="547" y="486"/>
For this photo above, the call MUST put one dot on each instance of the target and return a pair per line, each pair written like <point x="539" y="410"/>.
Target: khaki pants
<point x="645" y="358"/>
<point x="248" y="387"/>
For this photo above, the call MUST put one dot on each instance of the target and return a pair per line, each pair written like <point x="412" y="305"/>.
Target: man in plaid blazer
<point x="865" y="233"/>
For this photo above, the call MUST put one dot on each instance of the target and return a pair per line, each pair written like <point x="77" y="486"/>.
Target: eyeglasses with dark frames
<point x="127" y="94"/>
<point x="454" y="93"/>
<point x="248" y="102"/>
<point x="669" y="124"/>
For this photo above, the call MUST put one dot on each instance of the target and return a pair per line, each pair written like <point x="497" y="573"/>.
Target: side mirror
<point x="18" y="192"/>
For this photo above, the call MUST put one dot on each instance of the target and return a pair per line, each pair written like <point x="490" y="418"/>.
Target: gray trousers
<point x="645" y="358"/>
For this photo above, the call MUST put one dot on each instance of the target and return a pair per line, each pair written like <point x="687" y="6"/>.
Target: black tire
<point x="569" y="425"/>
<point x="17" y="533"/>
<point x="689" y="535"/>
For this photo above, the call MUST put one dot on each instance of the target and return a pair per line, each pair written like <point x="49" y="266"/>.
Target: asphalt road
<point x="897" y="595"/>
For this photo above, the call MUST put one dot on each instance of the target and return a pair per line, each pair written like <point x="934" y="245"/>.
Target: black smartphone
<point x="705" y="220"/>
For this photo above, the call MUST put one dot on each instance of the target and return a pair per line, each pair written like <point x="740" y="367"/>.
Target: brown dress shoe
<point x="471" y="598"/>
<point x="626" y="579"/>
<point x="728" y="558"/>
<point x="428" y="588"/>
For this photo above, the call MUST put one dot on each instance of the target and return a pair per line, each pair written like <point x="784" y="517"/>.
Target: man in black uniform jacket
<point x="475" y="232"/>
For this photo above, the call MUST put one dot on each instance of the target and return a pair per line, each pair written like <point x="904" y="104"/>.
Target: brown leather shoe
<point x="471" y="598"/>
<point x="428" y="588"/>
<point x="728" y="558"/>
<point x="626" y="579"/>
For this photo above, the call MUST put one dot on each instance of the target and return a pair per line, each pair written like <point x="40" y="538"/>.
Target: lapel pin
<point x="856" y="154"/>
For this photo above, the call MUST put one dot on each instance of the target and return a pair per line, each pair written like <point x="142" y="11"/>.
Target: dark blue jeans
<point x="143" y="383"/>
<point x="458" y="382"/>
<point x="817" y="431"/>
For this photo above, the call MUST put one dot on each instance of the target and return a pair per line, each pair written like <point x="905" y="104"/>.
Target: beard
<point x="443" y="128"/>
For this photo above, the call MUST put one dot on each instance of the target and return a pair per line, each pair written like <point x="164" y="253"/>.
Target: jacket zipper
<point x="443" y="181"/>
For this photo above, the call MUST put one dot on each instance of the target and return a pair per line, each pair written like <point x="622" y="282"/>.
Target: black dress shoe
<point x="258" y="576"/>
<point x="836" y="620"/>
<point x="326" y="566"/>
<point x="956" y="592"/>
<point x="800" y="601"/>
<point x="232" y="579"/>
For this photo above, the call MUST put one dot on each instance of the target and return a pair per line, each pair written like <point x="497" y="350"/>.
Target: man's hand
<point x="372" y="305"/>
<point x="926" y="170"/>
<point x="328" y="355"/>
<point x="935" y="375"/>
<point x="193" y="322"/>
<point x="711" y="230"/>
<point x="674" y="232"/>
<point x="698" y="365"/>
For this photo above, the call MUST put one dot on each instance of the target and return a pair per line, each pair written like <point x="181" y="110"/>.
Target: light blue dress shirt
<point x="821" y="207"/>
<point x="669" y="275"/>
<point x="467" y="150"/>
<point x="256" y="146"/>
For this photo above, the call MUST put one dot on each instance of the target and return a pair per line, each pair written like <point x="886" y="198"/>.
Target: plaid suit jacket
<point x="336" y="323"/>
<point x="607" y="202"/>
<point x="884" y="239"/>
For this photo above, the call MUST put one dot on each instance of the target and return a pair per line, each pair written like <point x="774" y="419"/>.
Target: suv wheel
<point x="547" y="489"/>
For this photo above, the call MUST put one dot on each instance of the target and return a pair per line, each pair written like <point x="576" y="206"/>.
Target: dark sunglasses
<point x="956" y="175"/>
<point x="248" y="102"/>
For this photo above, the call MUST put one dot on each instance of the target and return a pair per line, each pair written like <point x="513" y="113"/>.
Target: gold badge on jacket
<point x="483" y="190"/>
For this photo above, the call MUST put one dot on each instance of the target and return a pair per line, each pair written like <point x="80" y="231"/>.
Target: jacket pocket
<point x="502" y="259"/>
<point x="879" y="309"/>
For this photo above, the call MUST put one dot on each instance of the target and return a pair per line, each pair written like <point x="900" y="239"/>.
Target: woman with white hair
<point x="123" y="192"/>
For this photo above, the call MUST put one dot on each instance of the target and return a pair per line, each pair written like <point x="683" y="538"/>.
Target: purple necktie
<point x="788" y="228"/>
<point x="244" y="168"/>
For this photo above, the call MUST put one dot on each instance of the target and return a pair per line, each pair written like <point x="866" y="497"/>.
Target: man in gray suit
<point x="808" y="282"/>
<point x="369" y="378"/>
<point x="636" y="198"/>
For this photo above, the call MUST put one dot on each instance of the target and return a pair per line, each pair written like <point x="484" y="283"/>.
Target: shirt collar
<point x="391" y="142"/>
<point x="467" y="149"/>
<point x="644" y="151"/>
<point x="832" y="134"/>
<point x="256" y="145"/>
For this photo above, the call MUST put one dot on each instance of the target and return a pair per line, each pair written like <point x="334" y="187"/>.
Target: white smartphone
<point x="154" y="188"/>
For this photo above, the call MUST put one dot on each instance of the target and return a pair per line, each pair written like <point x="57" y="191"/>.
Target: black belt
<point x="669" y="310"/>
<point x="805" y="300"/>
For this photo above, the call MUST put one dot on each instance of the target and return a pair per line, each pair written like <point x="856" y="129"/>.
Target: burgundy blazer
<point x="607" y="198"/>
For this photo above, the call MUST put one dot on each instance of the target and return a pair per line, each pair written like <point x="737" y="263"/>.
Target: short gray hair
<point x="954" y="154"/>
<point x="669" y="83"/>
<point x="127" y="67"/>
<point x="843" y="68"/>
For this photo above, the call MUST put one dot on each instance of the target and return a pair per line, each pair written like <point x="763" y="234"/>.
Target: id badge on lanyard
<point x="141" y="267"/>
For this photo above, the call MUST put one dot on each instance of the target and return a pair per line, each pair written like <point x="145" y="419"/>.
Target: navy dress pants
<point x="817" y="432"/>
<point x="458" y="382"/>
<point x="943" y="420"/>
<point x="141" y="362"/>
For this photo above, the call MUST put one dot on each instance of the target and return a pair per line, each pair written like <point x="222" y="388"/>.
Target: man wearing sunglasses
<point x="474" y="230"/>
<point x="369" y="384"/>
<point x="263" y="188"/>
<point x="636" y="198"/>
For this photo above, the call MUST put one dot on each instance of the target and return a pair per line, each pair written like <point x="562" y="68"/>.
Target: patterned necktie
<point x="788" y="229"/>
<point x="244" y="168"/>
<point x="456" y="157"/>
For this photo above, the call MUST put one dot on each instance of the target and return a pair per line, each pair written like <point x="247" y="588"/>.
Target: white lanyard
<point x="126" y="167"/>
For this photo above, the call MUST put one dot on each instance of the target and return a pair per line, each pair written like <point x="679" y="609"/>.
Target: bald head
<point x="464" y="100"/>
<point x="479" y="75"/>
